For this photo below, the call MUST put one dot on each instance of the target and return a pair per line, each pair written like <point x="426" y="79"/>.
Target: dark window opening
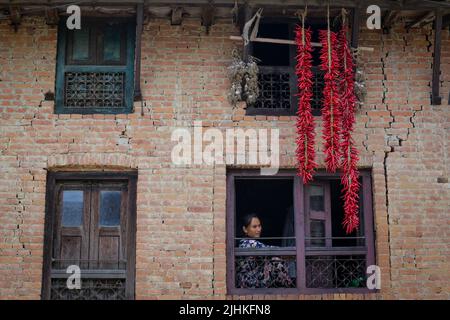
<point x="269" y="267"/>
<point x="277" y="217"/>
<point x="301" y="245"/>
<point x="272" y="54"/>
<point x="315" y="28"/>
<point x="318" y="82"/>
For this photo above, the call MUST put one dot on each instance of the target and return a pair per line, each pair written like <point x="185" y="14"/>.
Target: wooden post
<point x="435" y="98"/>
<point x="137" y="62"/>
<point x="15" y="16"/>
<point x="356" y="12"/>
<point x="446" y="21"/>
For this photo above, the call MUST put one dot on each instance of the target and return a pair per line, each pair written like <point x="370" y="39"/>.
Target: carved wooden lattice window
<point x="90" y="224"/>
<point x="95" y="70"/>
<point x="302" y="247"/>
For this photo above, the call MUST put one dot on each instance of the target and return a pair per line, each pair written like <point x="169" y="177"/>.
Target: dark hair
<point x="247" y="219"/>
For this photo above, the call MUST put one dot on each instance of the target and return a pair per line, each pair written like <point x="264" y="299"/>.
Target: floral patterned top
<point x="251" y="243"/>
<point x="261" y="271"/>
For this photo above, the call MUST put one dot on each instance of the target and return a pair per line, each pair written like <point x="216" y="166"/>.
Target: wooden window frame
<point x="251" y="110"/>
<point x="129" y="274"/>
<point x="299" y="222"/>
<point x="65" y="63"/>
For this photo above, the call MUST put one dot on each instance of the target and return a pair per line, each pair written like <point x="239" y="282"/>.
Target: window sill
<point x="91" y="111"/>
<point x="295" y="291"/>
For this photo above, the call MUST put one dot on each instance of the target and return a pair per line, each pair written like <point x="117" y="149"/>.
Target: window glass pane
<point x="80" y="48"/>
<point x="316" y="198"/>
<point x="111" y="44"/>
<point x="110" y="202"/>
<point x="317" y="231"/>
<point x="72" y="208"/>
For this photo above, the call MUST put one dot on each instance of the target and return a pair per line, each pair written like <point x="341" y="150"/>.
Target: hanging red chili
<point x="350" y="157"/>
<point x="305" y="121"/>
<point x="330" y="110"/>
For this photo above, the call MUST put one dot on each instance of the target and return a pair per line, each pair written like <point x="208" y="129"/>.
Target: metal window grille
<point x="91" y="289"/>
<point x="335" y="271"/>
<point x="94" y="89"/>
<point x="274" y="90"/>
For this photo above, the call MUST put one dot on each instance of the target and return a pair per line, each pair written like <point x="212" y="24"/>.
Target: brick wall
<point x="181" y="211"/>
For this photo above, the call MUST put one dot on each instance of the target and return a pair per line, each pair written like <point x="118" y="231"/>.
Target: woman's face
<point x="253" y="230"/>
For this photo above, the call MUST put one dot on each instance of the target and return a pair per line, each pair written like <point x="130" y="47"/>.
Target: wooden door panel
<point x="71" y="225"/>
<point x="318" y="214"/>
<point x="109" y="252"/>
<point x="71" y="250"/>
<point x="108" y="225"/>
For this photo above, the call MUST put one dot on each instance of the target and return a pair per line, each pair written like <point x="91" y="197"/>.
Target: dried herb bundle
<point x="244" y="80"/>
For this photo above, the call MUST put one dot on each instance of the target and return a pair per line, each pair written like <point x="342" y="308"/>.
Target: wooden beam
<point x="176" y="16"/>
<point x="384" y="4"/>
<point x="137" y="63"/>
<point x="284" y="41"/>
<point x="435" y="98"/>
<point x="422" y="20"/>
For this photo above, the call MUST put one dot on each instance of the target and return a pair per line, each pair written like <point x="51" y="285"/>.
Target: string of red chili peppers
<point x="305" y="121"/>
<point x="337" y="113"/>
<point x="330" y="111"/>
<point x="350" y="157"/>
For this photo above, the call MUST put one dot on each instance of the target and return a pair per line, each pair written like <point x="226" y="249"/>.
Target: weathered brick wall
<point x="181" y="211"/>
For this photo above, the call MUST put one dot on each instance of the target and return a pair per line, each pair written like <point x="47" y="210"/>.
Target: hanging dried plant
<point x="236" y="72"/>
<point x="251" y="89"/>
<point x="244" y="80"/>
